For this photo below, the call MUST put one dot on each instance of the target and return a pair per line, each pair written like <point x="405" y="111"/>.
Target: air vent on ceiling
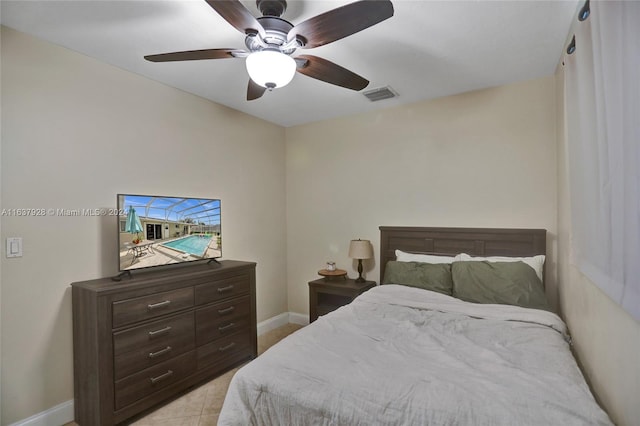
<point x="380" y="93"/>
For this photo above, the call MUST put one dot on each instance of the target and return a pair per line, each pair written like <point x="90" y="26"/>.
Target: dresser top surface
<point x="155" y="276"/>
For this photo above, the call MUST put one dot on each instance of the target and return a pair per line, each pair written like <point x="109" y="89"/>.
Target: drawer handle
<point x="161" y="331"/>
<point x="225" y="289"/>
<point x="160" y="352"/>
<point x="158" y="305"/>
<point x="166" y="375"/>
<point x="224" y="328"/>
<point x="226" y="348"/>
<point x="226" y="310"/>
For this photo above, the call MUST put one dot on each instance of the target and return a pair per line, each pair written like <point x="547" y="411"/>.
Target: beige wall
<point x="1" y="205"/>
<point x="75" y="132"/>
<point x="485" y="159"/>
<point x="606" y="338"/>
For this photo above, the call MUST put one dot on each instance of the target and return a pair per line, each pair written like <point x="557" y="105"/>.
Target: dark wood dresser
<point x="143" y="340"/>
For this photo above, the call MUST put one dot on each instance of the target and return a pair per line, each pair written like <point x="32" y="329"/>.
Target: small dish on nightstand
<point x="332" y="275"/>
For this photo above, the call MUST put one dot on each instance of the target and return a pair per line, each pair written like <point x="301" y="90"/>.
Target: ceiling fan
<point x="271" y="41"/>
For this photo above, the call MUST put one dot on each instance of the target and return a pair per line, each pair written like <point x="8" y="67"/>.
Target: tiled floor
<point x="201" y="406"/>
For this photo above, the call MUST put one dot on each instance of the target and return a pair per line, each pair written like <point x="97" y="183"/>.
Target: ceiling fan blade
<point x="341" y="22"/>
<point x="329" y="72"/>
<point x="254" y="90"/>
<point x="195" y="55"/>
<point x="238" y="16"/>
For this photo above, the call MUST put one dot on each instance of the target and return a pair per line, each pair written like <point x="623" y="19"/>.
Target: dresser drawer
<point x="222" y="319"/>
<point x="153" y="379"/>
<point x="140" y="347"/>
<point x="150" y="306"/>
<point x="237" y="346"/>
<point x="237" y="285"/>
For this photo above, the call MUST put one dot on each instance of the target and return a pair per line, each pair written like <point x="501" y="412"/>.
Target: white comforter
<point x="404" y="356"/>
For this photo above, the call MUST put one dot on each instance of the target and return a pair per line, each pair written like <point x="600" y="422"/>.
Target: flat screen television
<point x="159" y="230"/>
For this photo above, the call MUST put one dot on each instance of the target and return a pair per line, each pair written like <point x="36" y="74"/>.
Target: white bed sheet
<point x="404" y="356"/>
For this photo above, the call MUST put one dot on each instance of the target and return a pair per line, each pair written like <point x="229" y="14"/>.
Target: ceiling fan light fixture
<point x="271" y="68"/>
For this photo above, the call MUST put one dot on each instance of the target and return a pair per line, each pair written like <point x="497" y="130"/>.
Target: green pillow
<point x="429" y="276"/>
<point x="508" y="283"/>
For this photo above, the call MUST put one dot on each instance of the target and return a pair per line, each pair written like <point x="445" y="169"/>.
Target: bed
<point x="416" y="352"/>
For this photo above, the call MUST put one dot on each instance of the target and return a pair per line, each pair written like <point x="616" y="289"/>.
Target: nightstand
<point x="326" y="296"/>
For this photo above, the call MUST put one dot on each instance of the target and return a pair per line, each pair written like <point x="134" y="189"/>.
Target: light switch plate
<point x="14" y="247"/>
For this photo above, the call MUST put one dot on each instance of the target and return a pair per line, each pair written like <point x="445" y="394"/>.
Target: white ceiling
<point x="428" y="49"/>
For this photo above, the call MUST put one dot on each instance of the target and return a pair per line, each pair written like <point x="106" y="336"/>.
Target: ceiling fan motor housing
<point x="271" y="7"/>
<point x="276" y="30"/>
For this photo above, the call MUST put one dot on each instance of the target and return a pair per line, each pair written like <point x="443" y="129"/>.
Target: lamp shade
<point x="360" y="249"/>
<point x="270" y="68"/>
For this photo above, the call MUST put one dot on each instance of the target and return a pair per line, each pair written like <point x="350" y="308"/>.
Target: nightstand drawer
<point x="151" y="306"/>
<point x="153" y="379"/>
<point x="141" y="347"/>
<point x="222" y="289"/>
<point x="237" y="346"/>
<point x="326" y="296"/>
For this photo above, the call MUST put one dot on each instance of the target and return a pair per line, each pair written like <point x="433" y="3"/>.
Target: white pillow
<point x="402" y="256"/>
<point x="536" y="262"/>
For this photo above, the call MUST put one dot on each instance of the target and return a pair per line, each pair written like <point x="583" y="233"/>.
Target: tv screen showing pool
<point x="157" y="230"/>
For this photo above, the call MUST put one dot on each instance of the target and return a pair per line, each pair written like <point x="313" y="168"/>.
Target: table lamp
<point x="360" y="249"/>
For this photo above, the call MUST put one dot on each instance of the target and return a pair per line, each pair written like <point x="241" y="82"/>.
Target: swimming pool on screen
<point x="193" y="244"/>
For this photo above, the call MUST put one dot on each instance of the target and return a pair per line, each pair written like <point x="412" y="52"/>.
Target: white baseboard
<point x="300" y="319"/>
<point x="280" y="320"/>
<point x="273" y="323"/>
<point x="54" y="416"/>
<point x="63" y="413"/>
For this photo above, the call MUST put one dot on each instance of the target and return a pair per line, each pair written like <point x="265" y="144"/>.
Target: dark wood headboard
<point x="452" y="241"/>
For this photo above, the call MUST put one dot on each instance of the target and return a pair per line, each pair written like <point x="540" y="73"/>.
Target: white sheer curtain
<point x="602" y="98"/>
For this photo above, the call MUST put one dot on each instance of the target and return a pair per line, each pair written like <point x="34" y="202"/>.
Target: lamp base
<point x="360" y="279"/>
